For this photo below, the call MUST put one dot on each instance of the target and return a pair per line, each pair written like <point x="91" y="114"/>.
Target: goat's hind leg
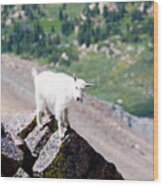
<point x="39" y="111"/>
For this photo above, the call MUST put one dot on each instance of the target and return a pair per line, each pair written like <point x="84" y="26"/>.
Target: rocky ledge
<point x="29" y="151"/>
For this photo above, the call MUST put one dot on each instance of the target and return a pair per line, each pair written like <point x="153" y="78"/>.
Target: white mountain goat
<point x="54" y="92"/>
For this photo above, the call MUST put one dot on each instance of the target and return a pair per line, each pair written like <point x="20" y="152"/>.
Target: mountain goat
<point x="53" y="93"/>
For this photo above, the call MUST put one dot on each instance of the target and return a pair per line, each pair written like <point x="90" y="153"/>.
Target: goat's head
<point x="79" y="88"/>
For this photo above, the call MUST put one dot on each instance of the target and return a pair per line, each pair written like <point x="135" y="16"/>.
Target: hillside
<point x="102" y="124"/>
<point x="108" y="44"/>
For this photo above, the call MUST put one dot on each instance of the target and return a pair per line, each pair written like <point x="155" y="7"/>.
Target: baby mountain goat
<point x="54" y="92"/>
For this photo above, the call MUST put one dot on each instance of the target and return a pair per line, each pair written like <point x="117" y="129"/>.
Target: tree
<point x="67" y="26"/>
<point x="61" y="14"/>
<point x="52" y="29"/>
<point x="86" y="11"/>
<point x="97" y="34"/>
<point x="96" y="9"/>
<point x="105" y="12"/>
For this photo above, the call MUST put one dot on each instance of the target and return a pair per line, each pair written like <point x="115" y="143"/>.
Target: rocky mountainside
<point x="108" y="44"/>
<point x="43" y="154"/>
<point x="105" y="126"/>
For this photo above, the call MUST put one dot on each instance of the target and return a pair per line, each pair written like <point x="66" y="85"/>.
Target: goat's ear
<point x="74" y="76"/>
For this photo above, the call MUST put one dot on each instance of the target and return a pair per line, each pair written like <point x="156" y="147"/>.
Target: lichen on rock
<point x="77" y="159"/>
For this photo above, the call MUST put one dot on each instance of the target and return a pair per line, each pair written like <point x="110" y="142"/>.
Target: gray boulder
<point x="11" y="155"/>
<point x="73" y="158"/>
<point x="43" y="154"/>
<point x="27" y="138"/>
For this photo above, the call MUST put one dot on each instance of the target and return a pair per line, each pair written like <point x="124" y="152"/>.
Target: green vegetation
<point x="110" y="45"/>
<point x="114" y="79"/>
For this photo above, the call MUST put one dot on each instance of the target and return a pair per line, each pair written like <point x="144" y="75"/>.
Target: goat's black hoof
<point x="51" y="117"/>
<point x="68" y="131"/>
<point x="68" y="127"/>
<point x="62" y="138"/>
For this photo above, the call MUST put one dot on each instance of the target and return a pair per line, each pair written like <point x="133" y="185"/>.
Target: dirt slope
<point x="130" y="151"/>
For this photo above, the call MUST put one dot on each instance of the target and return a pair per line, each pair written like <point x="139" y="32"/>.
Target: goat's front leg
<point x="39" y="118"/>
<point x="58" y="116"/>
<point x="66" y="120"/>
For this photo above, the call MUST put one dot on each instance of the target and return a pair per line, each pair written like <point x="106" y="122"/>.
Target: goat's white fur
<point x="53" y="93"/>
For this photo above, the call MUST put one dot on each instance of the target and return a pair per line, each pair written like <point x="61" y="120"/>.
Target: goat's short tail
<point x="34" y="72"/>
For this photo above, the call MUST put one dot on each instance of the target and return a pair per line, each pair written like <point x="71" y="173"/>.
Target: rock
<point x="27" y="128"/>
<point x="37" y="138"/>
<point x="22" y="126"/>
<point x="119" y="101"/>
<point x="28" y="161"/>
<point x="43" y="154"/>
<point x="73" y="158"/>
<point x="11" y="155"/>
<point x="21" y="173"/>
<point x="15" y="154"/>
